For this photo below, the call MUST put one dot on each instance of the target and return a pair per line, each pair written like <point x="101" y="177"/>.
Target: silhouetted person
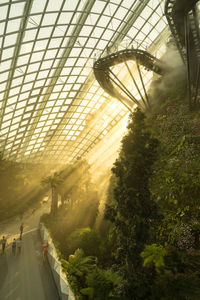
<point x="45" y="251"/>
<point x="21" y="230"/>
<point x="14" y="245"/>
<point x="3" y="243"/>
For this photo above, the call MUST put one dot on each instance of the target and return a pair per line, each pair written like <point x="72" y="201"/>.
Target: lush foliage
<point x="101" y="284"/>
<point x="133" y="211"/>
<point x="153" y="255"/>
<point x="148" y="245"/>
<point x="87" y="239"/>
<point x="77" y="267"/>
<point x="19" y="187"/>
<point x="78" y="208"/>
<point x="85" y="252"/>
<point x="169" y="243"/>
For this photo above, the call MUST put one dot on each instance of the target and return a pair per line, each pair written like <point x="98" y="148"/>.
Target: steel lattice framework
<point x="51" y="107"/>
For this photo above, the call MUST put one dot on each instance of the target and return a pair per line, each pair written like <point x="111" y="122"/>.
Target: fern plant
<point x="79" y="264"/>
<point x="101" y="284"/>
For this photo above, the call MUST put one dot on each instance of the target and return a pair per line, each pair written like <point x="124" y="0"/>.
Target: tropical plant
<point x="78" y="264"/>
<point x="101" y="284"/>
<point x="87" y="239"/>
<point x="176" y="286"/>
<point x="152" y="229"/>
<point x="53" y="182"/>
<point x="154" y="255"/>
<point x="77" y="267"/>
<point x="133" y="211"/>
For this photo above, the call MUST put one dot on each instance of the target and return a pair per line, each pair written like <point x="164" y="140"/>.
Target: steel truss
<point x="107" y="79"/>
<point x="183" y="22"/>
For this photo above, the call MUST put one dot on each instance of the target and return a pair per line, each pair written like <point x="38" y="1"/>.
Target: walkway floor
<point x="25" y="276"/>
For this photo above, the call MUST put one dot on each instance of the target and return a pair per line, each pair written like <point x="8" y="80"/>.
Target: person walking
<point x="19" y="245"/>
<point x="45" y="251"/>
<point x="3" y="243"/>
<point x="21" y="230"/>
<point x="14" y="245"/>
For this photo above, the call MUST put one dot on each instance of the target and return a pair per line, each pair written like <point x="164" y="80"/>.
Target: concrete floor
<point x="25" y="276"/>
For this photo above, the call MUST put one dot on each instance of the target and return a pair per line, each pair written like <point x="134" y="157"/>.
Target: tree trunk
<point x="63" y="199"/>
<point x="54" y="202"/>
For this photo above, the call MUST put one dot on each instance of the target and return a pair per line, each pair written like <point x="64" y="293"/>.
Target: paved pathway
<point x="25" y="276"/>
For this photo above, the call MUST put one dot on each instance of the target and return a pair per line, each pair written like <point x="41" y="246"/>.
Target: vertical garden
<point x="147" y="244"/>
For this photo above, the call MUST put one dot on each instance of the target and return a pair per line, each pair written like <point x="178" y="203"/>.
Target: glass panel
<point x="29" y="35"/>
<point x="16" y="10"/>
<point x="13" y="25"/>
<point x="51" y="5"/>
<point x="45" y="32"/>
<point x="53" y="81"/>
<point x="49" y="19"/>
<point x="10" y="40"/>
<point x="38" y="6"/>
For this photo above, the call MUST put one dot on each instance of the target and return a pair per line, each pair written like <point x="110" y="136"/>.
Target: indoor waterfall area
<point x="99" y="149"/>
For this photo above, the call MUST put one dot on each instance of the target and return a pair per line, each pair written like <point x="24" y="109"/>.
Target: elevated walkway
<point x="108" y="81"/>
<point x="183" y="21"/>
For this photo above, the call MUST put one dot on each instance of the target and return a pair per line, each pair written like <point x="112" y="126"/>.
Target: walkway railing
<point x="62" y="284"/>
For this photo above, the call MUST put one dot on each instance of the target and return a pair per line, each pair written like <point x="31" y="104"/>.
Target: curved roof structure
<point x="52" y="108"/>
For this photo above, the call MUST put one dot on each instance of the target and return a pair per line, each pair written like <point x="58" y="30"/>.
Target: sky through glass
<point x="52" y="108"/>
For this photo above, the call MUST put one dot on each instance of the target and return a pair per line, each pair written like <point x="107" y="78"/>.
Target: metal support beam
<point x="118" y="98"/>
<point x="197" y="85"/>
<point x="24" y="20"/>
<point x="187" y="44"/>
<point x="196" y="34"/>
<point x="141" y="79"/>
<point x="135" y="83"/>
<point x="124" y="88"/>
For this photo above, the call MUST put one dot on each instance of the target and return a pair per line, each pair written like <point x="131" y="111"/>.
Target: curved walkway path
<point x="25" y="276"/>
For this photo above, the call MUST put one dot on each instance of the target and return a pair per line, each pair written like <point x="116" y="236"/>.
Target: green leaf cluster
<point x="101" y="284"/>
<point x="133" y="212"/>
<point x="154" y="255"/>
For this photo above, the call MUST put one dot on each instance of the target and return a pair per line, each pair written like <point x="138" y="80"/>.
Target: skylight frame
<point x="78" y="97"/>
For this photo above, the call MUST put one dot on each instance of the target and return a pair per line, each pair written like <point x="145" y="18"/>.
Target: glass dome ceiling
<point x="52" y="108"/>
